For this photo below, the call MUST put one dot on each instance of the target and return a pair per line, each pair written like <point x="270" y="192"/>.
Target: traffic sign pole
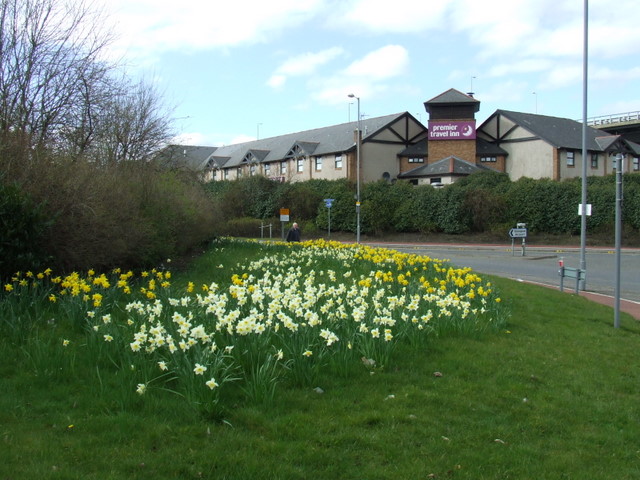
<point x="329" y="203"/>
<point x="519" y="232"/>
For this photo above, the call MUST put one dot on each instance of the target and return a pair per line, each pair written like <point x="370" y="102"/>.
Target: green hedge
<point x="482" y="202"/>
<point x="24" y="226"/>
<point x="74" y="215"/>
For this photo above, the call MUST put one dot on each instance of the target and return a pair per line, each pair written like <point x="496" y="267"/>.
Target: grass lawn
<point x="552" y="396"/>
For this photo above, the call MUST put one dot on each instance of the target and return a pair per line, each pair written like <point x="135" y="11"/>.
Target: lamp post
<point x="619" y="172"/>
<point x="351" y="95"/>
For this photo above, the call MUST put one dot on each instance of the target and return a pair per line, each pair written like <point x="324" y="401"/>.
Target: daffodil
<point x="199" y="369"/>
<point x="212" y="383"/>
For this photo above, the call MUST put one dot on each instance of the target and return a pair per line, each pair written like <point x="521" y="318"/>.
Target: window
<point x="571" y="159"/>
<point x="338" y="164"/>
<point x="594" y="160"/>
<point x="252" y="170"/>
<point x="283" y="168"/>
<point x="318" y="164"/>
<point x="636" y="164"/>
<point x="300" y="165"/>
<point x="488" y="159"/>
<point x="435" y="181"/>
<point x="239" y="172"/>
<point x="267" y="169"/>
<point x="226" y="174"/>
<point x="416" y="160"/>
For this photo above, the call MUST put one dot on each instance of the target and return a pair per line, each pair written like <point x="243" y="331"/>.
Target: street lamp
<point x="351" y="95"/>
<point x="619" y="173"/>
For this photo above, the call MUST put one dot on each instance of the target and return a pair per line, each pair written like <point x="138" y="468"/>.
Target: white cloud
<point x="148" y="27"/>
<point x="365" y="77"/>
<point x="307" y="63"/>
<point x="386" y="62"/>
<point x="276" y="81"/>
<point x="383" y="16"/>
<point x="304" y="64"/>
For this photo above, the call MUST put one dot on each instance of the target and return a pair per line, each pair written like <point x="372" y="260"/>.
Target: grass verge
<point x="552" y="396"/>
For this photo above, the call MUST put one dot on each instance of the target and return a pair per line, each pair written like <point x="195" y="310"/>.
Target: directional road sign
<point x="518" y="233"/>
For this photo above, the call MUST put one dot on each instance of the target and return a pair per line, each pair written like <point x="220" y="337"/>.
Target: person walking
<point x="294" y="233"/>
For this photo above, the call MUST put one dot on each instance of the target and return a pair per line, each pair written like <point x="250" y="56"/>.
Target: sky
<point x="235" y="71"/>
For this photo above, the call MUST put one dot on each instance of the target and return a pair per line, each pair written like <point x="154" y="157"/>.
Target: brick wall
<point x="464" y="149"/>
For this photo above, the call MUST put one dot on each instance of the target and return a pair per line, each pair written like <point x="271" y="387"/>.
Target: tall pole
<point x="358" y="176"/>
<point x="351" y="95"/>
<point x="583" y="211"/>
<point x="619" y="170"/>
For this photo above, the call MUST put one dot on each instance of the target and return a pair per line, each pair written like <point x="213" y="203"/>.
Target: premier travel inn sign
<point x="450" y="130"/>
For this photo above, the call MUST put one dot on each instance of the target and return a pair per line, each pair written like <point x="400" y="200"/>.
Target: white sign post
<point x="328" y="202"/>
<point x="519" y="232"/>
<point x="284" y="217"/>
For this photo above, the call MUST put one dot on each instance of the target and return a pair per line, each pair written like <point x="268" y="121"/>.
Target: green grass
<point x="555" y="396"/>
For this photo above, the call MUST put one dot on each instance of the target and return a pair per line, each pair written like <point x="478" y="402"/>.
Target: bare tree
<point x="134" y="124"/>
<point x="58" y="93"/>
<point x="47" y="50"/>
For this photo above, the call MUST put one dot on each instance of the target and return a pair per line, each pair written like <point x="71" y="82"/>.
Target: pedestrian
<point x="294" y="233"/>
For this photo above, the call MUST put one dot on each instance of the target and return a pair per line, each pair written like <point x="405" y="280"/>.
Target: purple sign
<point x="449" y="130"/>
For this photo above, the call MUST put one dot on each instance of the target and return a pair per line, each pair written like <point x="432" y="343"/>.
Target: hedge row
<point x="75" y="215"/>
<point x="483" y="202"/>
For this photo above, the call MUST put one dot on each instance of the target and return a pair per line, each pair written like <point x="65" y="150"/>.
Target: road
<point x="540" y="264"/>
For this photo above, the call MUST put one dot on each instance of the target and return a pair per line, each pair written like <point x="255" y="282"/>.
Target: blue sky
<point x="238" y="69"/>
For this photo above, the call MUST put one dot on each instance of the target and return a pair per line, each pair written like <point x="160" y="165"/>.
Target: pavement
<point x="628" y="306"/>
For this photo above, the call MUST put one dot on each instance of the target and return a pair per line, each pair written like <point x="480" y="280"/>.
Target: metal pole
<point x="619" y="170"/>
<point x="351" y="95"/>
<point x="583" y="218"/>
<point x="358" y="177"/>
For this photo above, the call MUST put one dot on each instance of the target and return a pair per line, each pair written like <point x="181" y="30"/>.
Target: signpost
<point x="328" y="202"/>
<point x="519" y="232"/>
<point x="284" y="217"/>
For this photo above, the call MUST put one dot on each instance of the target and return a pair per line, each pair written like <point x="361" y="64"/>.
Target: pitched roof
<point x="618" y="144"/>
<point x="450" y="165"/>
<point x="326" y="140"/>
<point x="452" y="97"/>
<point x="192" y="156"/>
<point x="559" y="132"/>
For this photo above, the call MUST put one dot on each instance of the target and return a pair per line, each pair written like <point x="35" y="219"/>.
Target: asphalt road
<point x="540" y="264"/>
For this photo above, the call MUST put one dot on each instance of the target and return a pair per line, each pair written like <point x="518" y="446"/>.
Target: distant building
<point x="399" y="146"/>
<point x="539" y="146"/>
